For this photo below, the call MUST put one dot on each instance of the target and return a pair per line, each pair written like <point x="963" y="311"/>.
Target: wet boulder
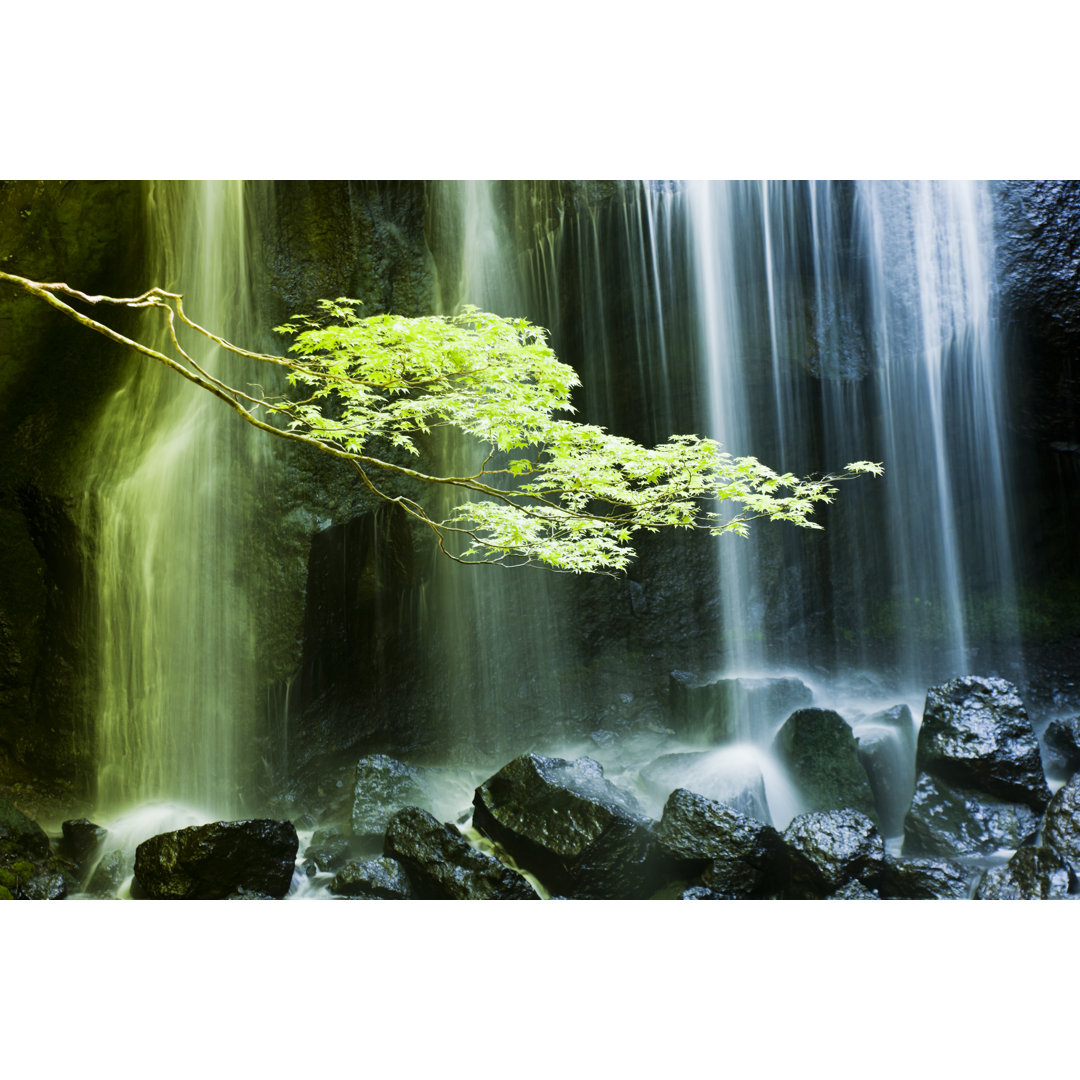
<point x="819" y="751"/>
<point x="82" y="841"/>
<point x="211" y="862"/>
<point x="329" y="850"/>
<point x="383" y="786"/>
<point x="726" y="710"/>
<point x="976" y="735"/>
<point x="829" y="849"/>
<point x="48" y="886"/>
<point x="925" y="879"/>
<point x="442" y="865"/>
<point x="731" y="853"/>
<point x="21" y="835"/>
<point x="1033" y="873"/>
<point x="854" y="890"/>
<point x="376" y="879"/>
<point x="886" y="749"/>
<point x="948" y="821"/>
<point x="110" y="873"/>
<point x="1061" y="826"/>
<point x="582" y="836"/>
<point x="1061" y="741"/>
<point x="736" y="783"/>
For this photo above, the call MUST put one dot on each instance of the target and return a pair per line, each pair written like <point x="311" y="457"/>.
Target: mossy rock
<point x="5" y="893"/>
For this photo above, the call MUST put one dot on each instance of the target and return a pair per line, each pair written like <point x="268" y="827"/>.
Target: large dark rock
<point x="830" y="848"/>
<point x="82" y="841"/>
<point x="736" y="855"/>
<point x="1062" y="745"/>
<point x="821" y="755"/>
<point x="443" y="865"/>
<point x="376" y="879"/>
<point x="738" y="784"/>
<point x="976" y="734"/>
<point x="581" y="835"/>
<point x="948" y="821"/>
<point x="210" y="862"/>
<point x="111" y="871"/>
<point x="384" y="786"/>
<point x="21" y="835"/>
<point x="327" y="851"/>
<point x="1033" y="873"/>
<point x="726" y="710"/>
<point x="886" y="747"/>
<point x="1061" y="826"/>
<point x="925" y="879"/>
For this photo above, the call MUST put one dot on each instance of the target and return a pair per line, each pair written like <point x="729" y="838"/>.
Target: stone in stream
<point x="1033" y="873"/>
<point x="1062" y="746"/>
<point x="82" y="842"/>
<point x="976" y="735"/>
<point x="212" y="862"/>
<point x="376" y="879"/>
<point x="886" y="749"/>
<point x="21" y="835"/>
<point x="819" y="751"/>
<point x="1061" y="826"/>
<point x="582" y="836"/>
<point x="712" y="773"/>
<point x="829" y="849"/>
<point x="948" y="821"/>
<point x="734" y="855"/>
<point x="726" y="710"/>
<point x="925" y="879"/>
<point x="442" y="865"/>
<point x="384" y="785"/>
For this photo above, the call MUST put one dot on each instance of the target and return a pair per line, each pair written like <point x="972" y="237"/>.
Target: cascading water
<point x="175" y="477"/>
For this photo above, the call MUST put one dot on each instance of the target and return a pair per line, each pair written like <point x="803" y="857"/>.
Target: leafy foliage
<point x="547" y="490"/>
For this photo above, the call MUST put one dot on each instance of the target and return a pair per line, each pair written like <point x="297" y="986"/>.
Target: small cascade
<point x="175" y="480"/>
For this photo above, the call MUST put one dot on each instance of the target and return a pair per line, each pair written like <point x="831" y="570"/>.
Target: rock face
<point x="1031" y="874"/>
<point x="1061" y="827"/>
<point x="735" y="855"/>
<point x="376" y="879"/>
<point x="443" y="865"/>
<point x="947" y="821"/>
<point x="82" y="841"/>
<point x="211" y="862"/>
<point x="831" y="848"/>
<point x="582" y="836"/>
<point x="976" y="734"/>
<point x="821" y="756"/>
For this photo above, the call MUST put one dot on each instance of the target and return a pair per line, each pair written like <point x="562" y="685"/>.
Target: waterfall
<point x="175" y="477"/>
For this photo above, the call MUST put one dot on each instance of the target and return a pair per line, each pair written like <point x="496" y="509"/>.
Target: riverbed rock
<point x="711" y="773"/>
<point x="21" y="835"/>
<point x="329" y="850"/>
<point x="1033" y="873"/>
<point x="110" y="873"/>
<point x="82" y="841"/>
<point x="1061" y="826"/>
<point x="948" y="821"/>
<point x="383" y="786"/>
<point x="830" y="848"/>
<point x="210" y="862"/>
<point x="582" y="836"/>
<point x="819" y="750"/>
<point x="925" y="879"/>
<point x="376" y="879"/>
<point x="886" y="749"/>
<point x="976" y="735"/>
<point x="734" y="854"/>
<point x="725" y="710"/>
<point x="443" y="865"/>
<point x="1061" y="741"/>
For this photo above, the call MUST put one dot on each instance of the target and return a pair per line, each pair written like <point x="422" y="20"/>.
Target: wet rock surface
<point x="735" y="855"/>
<point x="829" y="849"/>
<point x="728" y="709"/>
<point x="947" y="821"/>
<point x="1061" y="827"/>
<point x="926" y="879"/>
<point x="383" y="786"/>
<point x="886" y="749"/>
<point x="821" y="755"/>
<point x="976" y="734"/>
<point x="741" y="787"/>
<point x="442" y="865"/>
<point x="581" y="835"/>
<point x="376" y="879"/>
<point x="211" y="862"/>
<point x="1033" y="873"/>
<point x="82" y="841"/>
<point x="20" y="834"/>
